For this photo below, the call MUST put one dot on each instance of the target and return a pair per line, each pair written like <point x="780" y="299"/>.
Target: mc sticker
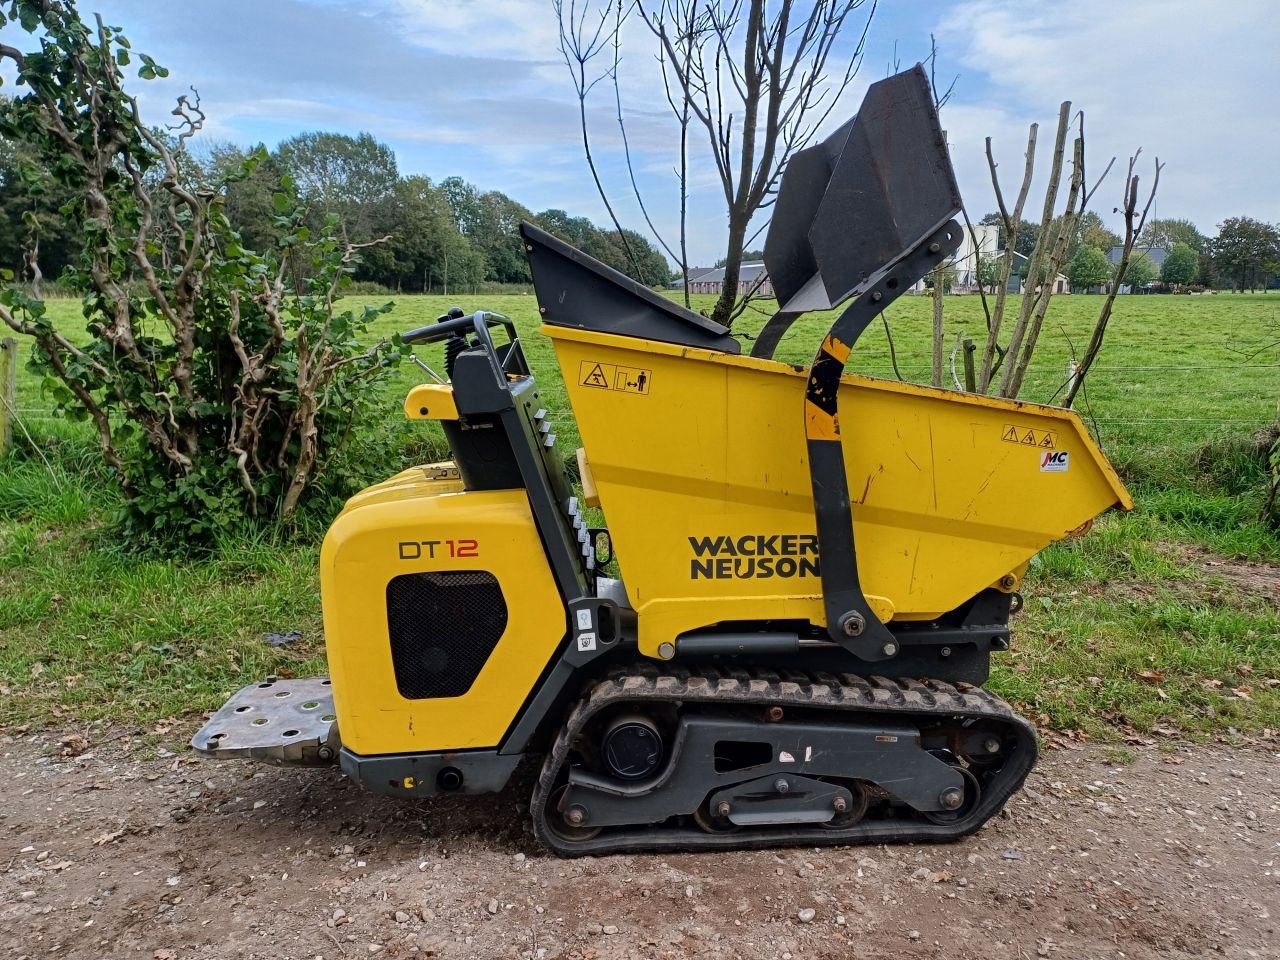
<point x="1054" y="461"/>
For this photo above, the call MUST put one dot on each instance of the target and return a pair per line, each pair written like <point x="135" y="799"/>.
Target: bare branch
<point x="1011" y="223"/>
<point x="1133" y="224"/>
<point x="1036" y="261"/>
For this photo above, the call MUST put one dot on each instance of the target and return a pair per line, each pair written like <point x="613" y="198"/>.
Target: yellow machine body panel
<point x="699" y="460"/>
<point x="421" y="521"/>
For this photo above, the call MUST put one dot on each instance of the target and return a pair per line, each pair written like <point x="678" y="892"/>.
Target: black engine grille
<point x="443" y="627"/>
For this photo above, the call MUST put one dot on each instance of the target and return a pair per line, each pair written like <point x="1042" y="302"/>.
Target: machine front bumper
<point x="290" y="723"/>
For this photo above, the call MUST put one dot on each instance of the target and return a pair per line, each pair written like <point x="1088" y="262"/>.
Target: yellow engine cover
<point x="423" y="521"/>
<point x="700" y="463"/>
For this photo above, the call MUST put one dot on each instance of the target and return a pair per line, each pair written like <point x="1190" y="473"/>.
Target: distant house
<point x="968" y="258"/>
<point x="1017" y="285"/>
<point x="694" y="274"/>
<point x="752" y="279"/>
<point x="1155" y="254"/>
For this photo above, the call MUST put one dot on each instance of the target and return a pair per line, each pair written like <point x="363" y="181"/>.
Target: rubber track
<point x="892" y="700"/>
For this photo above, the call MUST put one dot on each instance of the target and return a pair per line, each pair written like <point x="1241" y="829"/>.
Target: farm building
<point x="751" y="279"/>
<point x="1018" y="285"/>
<point x="1155" y="254"/>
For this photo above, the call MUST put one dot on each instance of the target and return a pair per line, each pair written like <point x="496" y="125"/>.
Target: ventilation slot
<point x="443" y="627"/>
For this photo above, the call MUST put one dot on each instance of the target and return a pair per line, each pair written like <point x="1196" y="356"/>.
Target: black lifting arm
<point x="865" y="214"/>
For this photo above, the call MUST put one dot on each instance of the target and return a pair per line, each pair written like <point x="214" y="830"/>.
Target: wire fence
<point x="32" y="415"/>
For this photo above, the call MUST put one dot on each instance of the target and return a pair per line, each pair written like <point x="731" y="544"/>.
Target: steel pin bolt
<point x="991" y="745"/>
<point x="575" y="816"/>
<point x="890" y="649"/>
<point x="774" y="714"/>
<point x="781" y="785"/>
<point x="1008" y="581"/>
<point x="853" y="625"/>
<point x="722" y="808"/>
<point x="839" y="805"/>
<point x="951" y="798"/>
<point x="935" y="247"/>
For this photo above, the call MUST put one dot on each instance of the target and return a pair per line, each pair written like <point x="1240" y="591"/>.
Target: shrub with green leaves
<point x="223" y="383"/>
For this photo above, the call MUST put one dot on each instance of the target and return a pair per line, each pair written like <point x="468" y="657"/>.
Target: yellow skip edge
<point x="431" y="401"/>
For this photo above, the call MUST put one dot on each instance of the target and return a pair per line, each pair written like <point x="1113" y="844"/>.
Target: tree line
<point x="424" y="236"/>
<point x="1245" y="254"/>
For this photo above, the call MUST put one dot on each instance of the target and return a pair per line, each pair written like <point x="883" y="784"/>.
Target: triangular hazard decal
<point x="595" y="378"/>
<point x="1030" y="438"/>
<point x="1011" y="435"/>
<point x="1047" y="442"/>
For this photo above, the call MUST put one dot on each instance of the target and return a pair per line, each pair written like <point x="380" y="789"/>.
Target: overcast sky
<point x="476" y="88"/>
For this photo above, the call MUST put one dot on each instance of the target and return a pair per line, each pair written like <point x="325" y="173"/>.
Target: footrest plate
<point x="285" y="722"/>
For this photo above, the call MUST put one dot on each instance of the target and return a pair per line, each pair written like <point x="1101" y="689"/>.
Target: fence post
<point x="970" y="378"/>
<point x="8" y="391"/>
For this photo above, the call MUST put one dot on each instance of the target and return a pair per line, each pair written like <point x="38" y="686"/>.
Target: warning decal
<point x="612" y="376"/>
<point x="1027" y="437"/>
<point x="595" y="374"/>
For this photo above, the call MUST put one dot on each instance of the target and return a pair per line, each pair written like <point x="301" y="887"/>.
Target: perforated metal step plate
<point x="285" y="722"/>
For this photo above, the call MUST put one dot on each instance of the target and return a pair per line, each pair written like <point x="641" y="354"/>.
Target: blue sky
<point x="477" y="89"/>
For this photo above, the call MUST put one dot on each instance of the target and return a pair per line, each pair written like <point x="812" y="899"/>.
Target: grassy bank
<point x="1155" y="621"/>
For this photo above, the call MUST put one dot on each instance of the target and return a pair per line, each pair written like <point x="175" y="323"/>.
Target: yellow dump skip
<point x="699" y="461"/>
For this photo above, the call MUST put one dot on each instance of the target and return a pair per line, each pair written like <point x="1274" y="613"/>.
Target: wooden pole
<point x="8" y="391"/>
<point x="970" y="376"/>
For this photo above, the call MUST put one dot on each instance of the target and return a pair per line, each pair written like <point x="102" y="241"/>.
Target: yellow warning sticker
<point x="1029" y="437"/>
<point x="612" y="376"/>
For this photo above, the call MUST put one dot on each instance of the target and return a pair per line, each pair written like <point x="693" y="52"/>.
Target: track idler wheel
<point x="965" y="803"/>
<point x="714" y="821"/>
<point x="852" y="811"/>
<point x="569" y="823"/>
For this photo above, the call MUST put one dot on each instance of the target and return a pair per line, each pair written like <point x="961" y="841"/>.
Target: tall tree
<point x="638" y="258"/>
<point x="1167" y="232"/>
<point x="425" y="250"/>
<point x="251" y="187"/>
<point x="1088" y="268"/>
<point x="339" y="174"/>
<point x="491" y="222"/>
<point x="1142" y="271"/>
<point x="1092" y="232"/>
<point x="1180" y="266"/>
<point x="36" y="241"/>
<point x="1245" y="251"/>
<point x="756" y="79"/>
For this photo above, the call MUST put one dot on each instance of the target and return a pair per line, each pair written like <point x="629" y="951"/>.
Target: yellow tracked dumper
<point x="814" y="567"/>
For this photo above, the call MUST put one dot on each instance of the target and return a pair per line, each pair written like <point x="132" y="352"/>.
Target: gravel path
<point x="1173" y="855"/>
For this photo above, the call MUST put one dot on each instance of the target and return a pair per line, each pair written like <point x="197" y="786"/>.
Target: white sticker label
<point x="584" y="619"/>
<point x="785" y="757"/>
<point x="808" y="754"/>
<point x="1054" y="461"/>
<point x="586" y="642"/>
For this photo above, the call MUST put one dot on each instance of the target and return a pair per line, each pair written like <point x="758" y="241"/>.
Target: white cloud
<point x="506" y="29"/>
<point x="1187" y="81"/>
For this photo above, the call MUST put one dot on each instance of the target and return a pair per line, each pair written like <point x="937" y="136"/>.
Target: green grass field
<point x="1131" y="628"/>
